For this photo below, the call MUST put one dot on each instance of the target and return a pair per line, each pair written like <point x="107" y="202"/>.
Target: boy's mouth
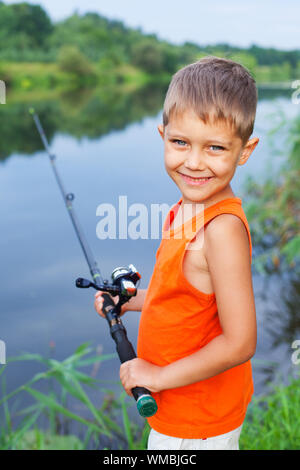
<point x="195" y="181"/>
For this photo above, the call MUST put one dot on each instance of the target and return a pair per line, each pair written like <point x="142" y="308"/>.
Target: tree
<point x="148" y="55"/>
<point x="22" y="20"/>
<point x="71" y="60"/>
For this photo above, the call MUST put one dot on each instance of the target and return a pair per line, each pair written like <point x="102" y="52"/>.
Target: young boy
<point x="197" y="330"/>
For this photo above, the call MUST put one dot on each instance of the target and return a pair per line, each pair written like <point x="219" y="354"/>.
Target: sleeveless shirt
<point x="177" y="320"/>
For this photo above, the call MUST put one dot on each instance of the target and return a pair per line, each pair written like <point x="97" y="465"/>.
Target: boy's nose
<point x="195" y="161"/>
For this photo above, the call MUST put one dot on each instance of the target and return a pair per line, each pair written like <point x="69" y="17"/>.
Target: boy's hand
<point x="140" y="373"/>
<point x="98" y="304"/>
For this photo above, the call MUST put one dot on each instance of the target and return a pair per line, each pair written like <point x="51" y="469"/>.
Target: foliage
<point x="273" y="421"/>
<point x="154" y="56"/>
<point x="97" y="424"/>
<point x="29" y="76"/>
<point x="90" y="113"/>
<point x="23" y="26"/>
<point x="94" y="35"/>
<point x="247" y="60"/>
<point x="71" y="60"/>
<point x="273" y="209"/>
<point x="148" y="56"/>
<point x="28" y="35"/>
<point x="271" y="56"/>
<point x="39" y="440"/>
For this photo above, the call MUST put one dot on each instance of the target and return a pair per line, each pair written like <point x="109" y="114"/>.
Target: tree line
<point x="27" y="34"/>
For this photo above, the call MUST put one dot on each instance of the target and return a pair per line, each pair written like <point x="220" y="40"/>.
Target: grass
<point x="65" y="381"/>
<point x="32" y="76"/>
<point x="272" y="421"/>
<point x="27" y="77"/>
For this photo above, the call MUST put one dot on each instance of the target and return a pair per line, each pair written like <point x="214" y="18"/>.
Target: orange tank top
<point x="177" y="320"/>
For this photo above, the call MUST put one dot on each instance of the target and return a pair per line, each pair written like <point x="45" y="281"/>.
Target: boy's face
<point x="194" y="149"/>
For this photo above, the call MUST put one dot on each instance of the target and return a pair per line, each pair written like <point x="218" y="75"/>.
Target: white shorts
<point x="228" y="441"/>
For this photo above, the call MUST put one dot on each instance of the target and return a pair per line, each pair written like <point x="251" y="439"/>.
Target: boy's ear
<point x="247" y="150"/>
<point x="161" y="130"/>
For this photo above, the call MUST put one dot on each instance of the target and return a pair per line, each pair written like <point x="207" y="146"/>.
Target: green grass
<point x="28" y="77"/>
<point x="65" y="381"/>
<point x="272" y="421"/>
<point x="32" y="76"/>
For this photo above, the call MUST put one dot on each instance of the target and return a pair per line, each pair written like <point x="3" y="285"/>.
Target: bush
<point x="71" y="60"/>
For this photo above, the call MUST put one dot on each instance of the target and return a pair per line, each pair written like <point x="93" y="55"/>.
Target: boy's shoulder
<point x="224" y="221"/>
<point x="226" y="232"/>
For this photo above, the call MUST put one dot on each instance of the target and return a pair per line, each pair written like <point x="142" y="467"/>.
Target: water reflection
<point x="88" y="113"/>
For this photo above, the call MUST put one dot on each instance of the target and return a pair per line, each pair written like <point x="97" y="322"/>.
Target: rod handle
<point x="146" y="404"/>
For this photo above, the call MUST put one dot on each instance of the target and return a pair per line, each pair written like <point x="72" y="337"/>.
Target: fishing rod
<point x="124" y="284"/>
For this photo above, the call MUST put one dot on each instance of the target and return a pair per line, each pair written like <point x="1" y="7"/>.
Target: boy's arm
<point x="228" y="257"/>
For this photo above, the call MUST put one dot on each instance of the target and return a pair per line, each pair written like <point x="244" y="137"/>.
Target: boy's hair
<point x="215" y="89"/>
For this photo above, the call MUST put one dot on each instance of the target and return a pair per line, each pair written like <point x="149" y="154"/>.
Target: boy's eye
<point x="179" y="142"/>
<point x="216" y="147"/>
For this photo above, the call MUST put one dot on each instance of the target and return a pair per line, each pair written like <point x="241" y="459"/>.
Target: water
<point x="100" y="160"/>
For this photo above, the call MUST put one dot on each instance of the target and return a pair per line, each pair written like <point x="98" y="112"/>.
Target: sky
<point x="267" y="23"/>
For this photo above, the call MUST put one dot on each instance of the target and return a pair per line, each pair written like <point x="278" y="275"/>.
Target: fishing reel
<point x="125" y="280"/>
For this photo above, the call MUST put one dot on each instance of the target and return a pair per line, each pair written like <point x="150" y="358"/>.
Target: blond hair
<point x="215" y="89"/>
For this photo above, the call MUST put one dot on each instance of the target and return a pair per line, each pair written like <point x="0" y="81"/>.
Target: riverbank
<point x="26" y="77"/>
<point x="23" y="77"/>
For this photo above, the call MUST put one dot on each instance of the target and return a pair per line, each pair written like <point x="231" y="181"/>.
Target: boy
<point x="197" y="330"/>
